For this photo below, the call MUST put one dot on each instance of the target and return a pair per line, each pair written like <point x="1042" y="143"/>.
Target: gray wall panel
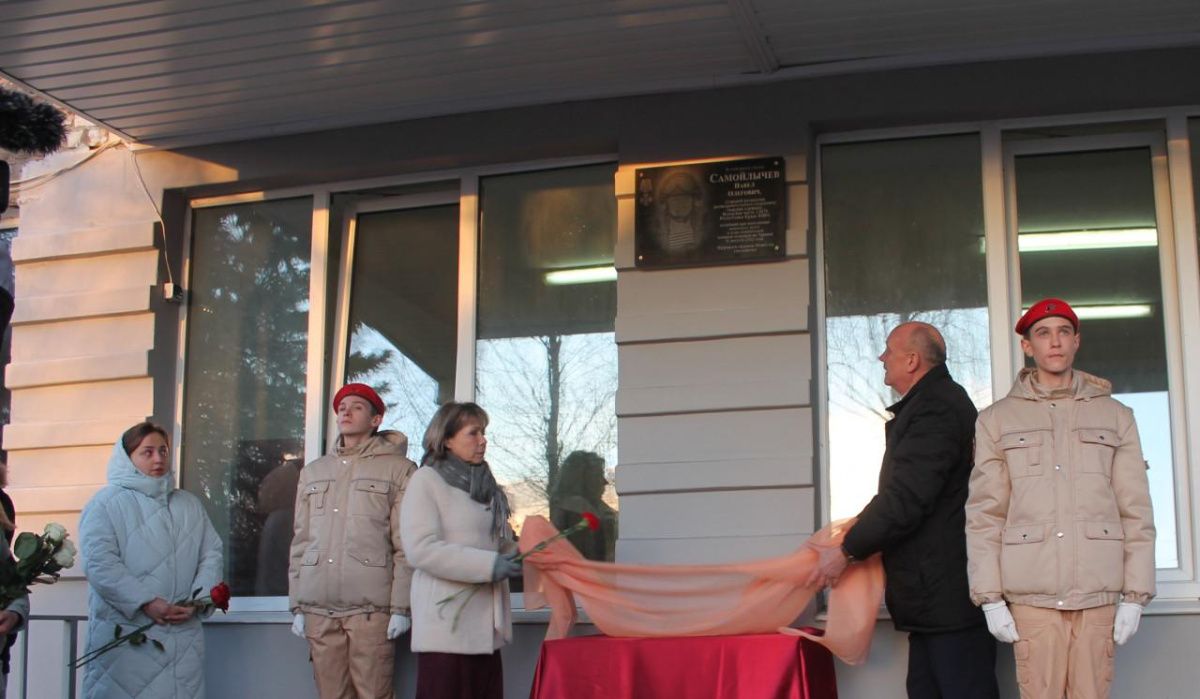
<point x="732" y="373"/>
<point x="717" y="513"/>
<point x="713" y="301"/>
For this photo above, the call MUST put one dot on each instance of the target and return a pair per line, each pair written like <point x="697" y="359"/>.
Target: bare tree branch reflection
<point x="858" y="398"/>
<point x="548" y="396"/>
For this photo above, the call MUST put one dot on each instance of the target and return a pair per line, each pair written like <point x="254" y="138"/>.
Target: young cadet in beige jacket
<point x="1059" y="523"/>
<point x="348" y="578"/>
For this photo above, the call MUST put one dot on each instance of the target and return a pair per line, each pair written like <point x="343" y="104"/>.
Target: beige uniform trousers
<point x="351" y="656"/>
<point x="1064" y="653"/>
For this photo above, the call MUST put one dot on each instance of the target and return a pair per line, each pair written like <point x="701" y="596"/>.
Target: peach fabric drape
<point x="702" y="600"/>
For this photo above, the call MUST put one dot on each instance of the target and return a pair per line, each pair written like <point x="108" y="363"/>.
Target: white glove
<point x="1000" y="622"/>
<point x="1129" y="615"/>
<point x="397" y="626"/>
<point x="298" y="625"/>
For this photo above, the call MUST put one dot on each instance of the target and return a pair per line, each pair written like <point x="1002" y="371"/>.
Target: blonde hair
<point x="446" y="422"/>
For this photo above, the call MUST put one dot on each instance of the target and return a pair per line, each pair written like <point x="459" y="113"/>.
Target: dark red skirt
<point x="455" y="676"/>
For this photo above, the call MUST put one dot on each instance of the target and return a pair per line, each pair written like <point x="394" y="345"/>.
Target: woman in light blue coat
<point x="146" y="545"/>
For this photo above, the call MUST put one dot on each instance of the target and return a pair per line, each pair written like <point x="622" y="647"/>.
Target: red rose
<point x="593" y="522"/>
<point x="220" y="596"/>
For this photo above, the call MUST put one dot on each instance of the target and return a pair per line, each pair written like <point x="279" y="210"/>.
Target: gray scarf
<point x="477" y="481"/>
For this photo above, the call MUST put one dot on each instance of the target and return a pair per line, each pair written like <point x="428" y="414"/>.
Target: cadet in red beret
<point x="362" y="391"/>
<point x="1046" y="308"/>
<point x="1060" y="530"/>
<point x="349" y="579"/>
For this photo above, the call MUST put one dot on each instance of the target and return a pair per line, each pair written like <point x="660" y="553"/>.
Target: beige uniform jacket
<point x="1058" y="513"/>
<point x="346" y="555"/>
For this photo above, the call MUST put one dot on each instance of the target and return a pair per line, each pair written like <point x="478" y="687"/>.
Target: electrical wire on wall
<point x="162" y="225"/>
<point x="111" y="142"/>
<point x="36" y="181"/>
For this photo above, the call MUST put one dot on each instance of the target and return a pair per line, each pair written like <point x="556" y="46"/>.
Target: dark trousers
<point x="455" y="676"/>
<point x="953" y="665"/>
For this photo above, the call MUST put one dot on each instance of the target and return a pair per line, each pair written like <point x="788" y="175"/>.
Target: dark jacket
<point x="11" y="512"/>
<point x="917" y="518"/>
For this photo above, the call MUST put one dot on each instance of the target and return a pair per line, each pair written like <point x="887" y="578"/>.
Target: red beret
<point x="362" y="391"/>
<point x="1047" y="308"/>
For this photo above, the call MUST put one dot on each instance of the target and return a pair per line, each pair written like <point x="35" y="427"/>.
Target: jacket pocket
<point x="1101" y="562"/>
<point x="371" y="498"/>
<point x="309" y="582"/>
<point x="1022" y="453"/>
<point x="1024" y="534"/>
<point x="371" y="560"/>
<point x="315" y="492"/>
<point x="1027" y="566"/>
<point x="1097" y="446"/>
<point x="1110" y="531"/>
<point x="367" y="578"/>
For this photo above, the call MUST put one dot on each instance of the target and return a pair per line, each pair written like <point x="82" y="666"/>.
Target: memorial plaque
<point x="710" y="213"/>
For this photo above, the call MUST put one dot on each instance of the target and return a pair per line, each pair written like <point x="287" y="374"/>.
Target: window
<point x="546" y="358"/>
<point x="1087" y="231"/>
<point x="244" y="380"/>
<point x="1193" y="130"/>
<point x="903" y="232"/>
<point x="1082" y="212"/>
<point x="542" y="343"/>
<point x="403" y="313"/>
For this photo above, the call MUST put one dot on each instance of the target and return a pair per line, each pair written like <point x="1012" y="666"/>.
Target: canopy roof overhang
<point x="173" y="73"/>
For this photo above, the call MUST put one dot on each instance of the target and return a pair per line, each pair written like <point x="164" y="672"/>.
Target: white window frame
<point x="341" y="330"/>
<point x="318" y="424"/>
<point x="1168" y="578"/>
<point x="1178" y="588"/>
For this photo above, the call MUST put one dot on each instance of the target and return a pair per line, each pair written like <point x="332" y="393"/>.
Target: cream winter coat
<point x="346" y="556"/>
<point x="448" y="539"/>
<point x="1059" y="511"/>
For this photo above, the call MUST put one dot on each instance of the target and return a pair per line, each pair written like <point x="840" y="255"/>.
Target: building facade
<point x="737" y="406"/>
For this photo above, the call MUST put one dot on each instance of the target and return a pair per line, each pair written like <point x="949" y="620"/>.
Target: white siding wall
<point x="79" y="376"/>
<point x="82" y="332"/>
<point x="714" y="401"/>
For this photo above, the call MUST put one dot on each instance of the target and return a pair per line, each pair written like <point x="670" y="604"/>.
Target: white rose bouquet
<point x="36" y="559"/>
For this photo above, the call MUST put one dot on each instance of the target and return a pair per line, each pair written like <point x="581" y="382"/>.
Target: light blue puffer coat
<point x="140" y="538"/>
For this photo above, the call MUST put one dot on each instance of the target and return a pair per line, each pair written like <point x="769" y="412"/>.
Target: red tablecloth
<point x="761" y="666"/>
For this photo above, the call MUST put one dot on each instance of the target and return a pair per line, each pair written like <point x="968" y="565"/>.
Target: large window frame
<point x="462" y="189"/>
<point x="1171" y="160"/>
<point x="341" y="328"/>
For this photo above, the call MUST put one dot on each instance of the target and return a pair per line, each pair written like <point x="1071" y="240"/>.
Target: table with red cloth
<point x="758" y="666"/>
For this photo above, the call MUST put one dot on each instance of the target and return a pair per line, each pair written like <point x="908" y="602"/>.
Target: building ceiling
<point x="186" y="72"/>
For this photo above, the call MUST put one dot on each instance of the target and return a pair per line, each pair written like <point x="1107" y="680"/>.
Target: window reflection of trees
<point x="546" y="357"/>
<point x="548" y="396"/>
<point x="244" y="400"/>
<point x="858" y="398"/>
<point x="410" y="394"/>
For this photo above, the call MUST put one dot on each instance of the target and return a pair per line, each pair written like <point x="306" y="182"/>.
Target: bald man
<point x="917" y="521"/>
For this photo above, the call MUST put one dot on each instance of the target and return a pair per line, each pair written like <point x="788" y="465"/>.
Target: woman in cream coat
<point x="455" y="531"/>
